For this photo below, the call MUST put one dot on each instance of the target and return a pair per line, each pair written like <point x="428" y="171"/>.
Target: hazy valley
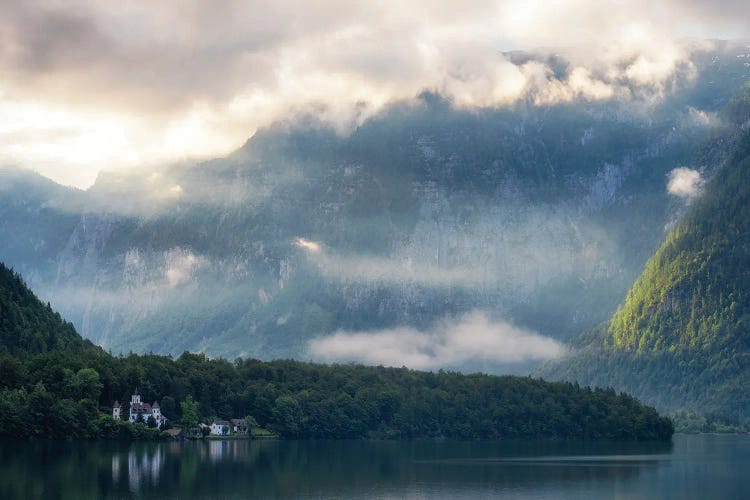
<point x="526" y="223"/>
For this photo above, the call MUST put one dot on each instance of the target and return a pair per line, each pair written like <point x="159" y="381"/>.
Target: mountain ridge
<point x="541" y="216"/>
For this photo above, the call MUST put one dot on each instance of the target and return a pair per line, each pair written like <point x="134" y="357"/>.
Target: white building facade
<point x="140" y="411"/>
<point x="221" y="428"/>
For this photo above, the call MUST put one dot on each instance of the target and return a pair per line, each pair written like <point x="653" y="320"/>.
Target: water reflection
<point x="143" y="466"/>
<point x="366" y="469"/>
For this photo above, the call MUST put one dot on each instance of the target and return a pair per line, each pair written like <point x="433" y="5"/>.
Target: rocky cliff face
<point x="541" y="216"/>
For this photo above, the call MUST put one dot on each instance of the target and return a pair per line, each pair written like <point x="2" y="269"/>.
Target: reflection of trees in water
<point x="293" y="468"/>
<point x="339" y="467"/>
<point x="299" y="468"/>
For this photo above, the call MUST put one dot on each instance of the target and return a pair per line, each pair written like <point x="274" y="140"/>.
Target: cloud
<point x="181" y="266"/>
<point x="159" y="271"/>
<point x="515" y="246"/>
<point x="146" y="192"/>
<point x="308" y="245"/>
<point x="473" y="337"/>
<point x="141" y="84"/>
<point x="390" y="270"/>
<point x="684" y="182"/>
<point x="698" y="118"/>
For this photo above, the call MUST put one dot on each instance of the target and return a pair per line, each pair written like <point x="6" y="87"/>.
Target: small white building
<point x="221" y="428"/>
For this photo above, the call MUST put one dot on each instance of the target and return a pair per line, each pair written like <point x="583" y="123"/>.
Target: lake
<point x="700" y="466"/>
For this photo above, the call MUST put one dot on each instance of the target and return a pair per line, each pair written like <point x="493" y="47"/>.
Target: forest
<point x="55" y="384"/>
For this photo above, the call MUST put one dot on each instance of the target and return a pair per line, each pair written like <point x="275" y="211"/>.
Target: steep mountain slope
<point x="541" y="216"/>
<point x="27" y="326"/>
<point x="681" y="340"/>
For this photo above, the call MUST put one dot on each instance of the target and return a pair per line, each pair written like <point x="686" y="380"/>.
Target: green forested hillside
<point x="681" y="340"/>
<point x="27" y="326"/>
<point x="695" y="291"/>
<point x="51" y="387"/>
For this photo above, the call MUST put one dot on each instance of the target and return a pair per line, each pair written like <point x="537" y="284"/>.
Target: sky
<point x="92" y="85"/>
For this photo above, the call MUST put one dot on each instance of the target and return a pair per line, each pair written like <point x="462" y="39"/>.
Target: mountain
<point x="540" y="216"/>
<point x="681" y="340"/>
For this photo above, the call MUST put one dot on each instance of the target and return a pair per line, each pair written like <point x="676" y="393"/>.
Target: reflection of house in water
<point x="143" y="466"/>
<point x="156" y="463"/>
<point x="218" y="450"/>
<point x="134" y="473"/>
<point x="115" y="467"/>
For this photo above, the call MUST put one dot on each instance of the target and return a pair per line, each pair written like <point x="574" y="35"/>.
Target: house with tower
<point x="139" y="411"/>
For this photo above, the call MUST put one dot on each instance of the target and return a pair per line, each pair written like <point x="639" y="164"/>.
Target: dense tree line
<point x="679" y="382"/>
<point x="60" y="394"/>
<point x="69" y="391"/>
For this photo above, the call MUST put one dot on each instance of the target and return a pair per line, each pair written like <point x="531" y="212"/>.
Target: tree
<point x="87" y="384"/>
<point x="12" y="371"/>
<point x="151" y="422"/>
<point x="288" y="415"/>
<point x="83" y="384"/>
<point x="190" y="413"/>
<point x="169" y="407"/>
<point x="39" y="404"/>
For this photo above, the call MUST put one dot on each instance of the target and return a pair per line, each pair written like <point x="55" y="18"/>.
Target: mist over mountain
<point x="531" y="220"/>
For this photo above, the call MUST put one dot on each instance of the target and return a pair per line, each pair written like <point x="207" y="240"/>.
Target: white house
<point x="220" y="428"/>
<point x="139" y="411"/>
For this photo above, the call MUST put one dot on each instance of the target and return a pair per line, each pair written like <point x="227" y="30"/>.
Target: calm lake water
<point x="708" y="466"/>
